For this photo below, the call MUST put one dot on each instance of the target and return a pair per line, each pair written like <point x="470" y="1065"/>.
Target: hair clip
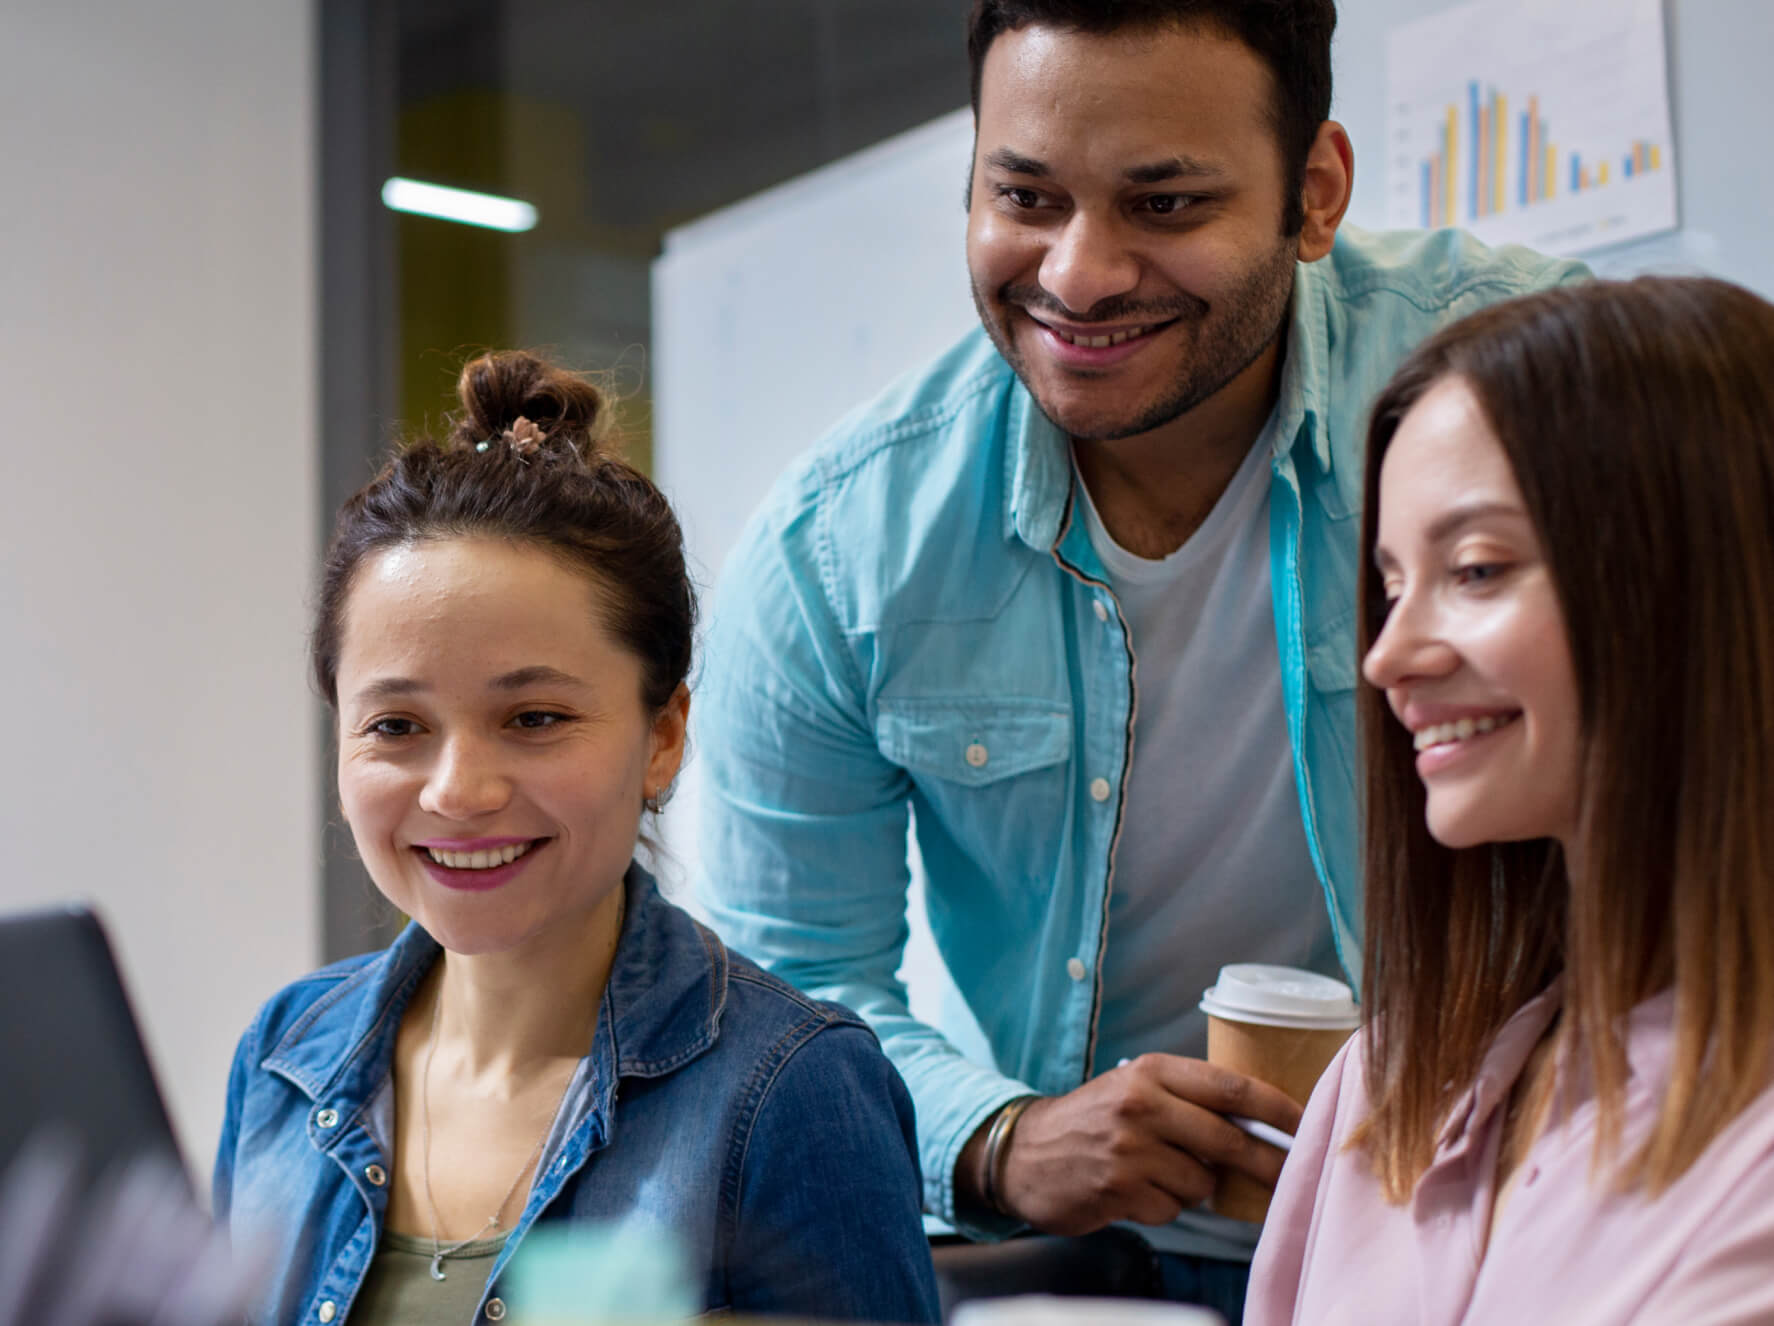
<point x="524" y="437"/>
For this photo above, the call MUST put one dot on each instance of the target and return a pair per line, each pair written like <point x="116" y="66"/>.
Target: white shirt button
<point x="1099" y="789"/>
<point x="495" y="1309"/>
<point x="1102" y="609"/>
<point x="977" y="755"/>
<point x="376" y="1175"/>
<point x="1075" y="968"/>
<point x="328" y="1310"/>
<point x="327" y="1119"/>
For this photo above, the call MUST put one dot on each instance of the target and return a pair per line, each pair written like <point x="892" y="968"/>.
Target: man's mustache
<point x="1117" y="308"/>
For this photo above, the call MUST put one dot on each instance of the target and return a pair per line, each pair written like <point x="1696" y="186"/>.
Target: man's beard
<point x="1227" y="342"/>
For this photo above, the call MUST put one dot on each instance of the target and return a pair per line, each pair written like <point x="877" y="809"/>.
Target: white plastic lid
<point x="1280" y="997"/>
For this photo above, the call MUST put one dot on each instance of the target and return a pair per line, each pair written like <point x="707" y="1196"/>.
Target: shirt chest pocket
<point x="989" y="778"/>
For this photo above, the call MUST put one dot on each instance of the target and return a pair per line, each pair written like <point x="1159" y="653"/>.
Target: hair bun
<point x="508" y="387"/>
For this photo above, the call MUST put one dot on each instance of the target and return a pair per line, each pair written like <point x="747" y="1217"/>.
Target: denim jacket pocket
<point x="973" y="742"/>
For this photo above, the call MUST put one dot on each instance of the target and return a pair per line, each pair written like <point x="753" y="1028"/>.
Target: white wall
<point x="157" y="495"/>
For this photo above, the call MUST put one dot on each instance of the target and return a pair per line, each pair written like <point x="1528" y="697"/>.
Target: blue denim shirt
<point x="765" y="1130"/>
<point x="916" y="625"/>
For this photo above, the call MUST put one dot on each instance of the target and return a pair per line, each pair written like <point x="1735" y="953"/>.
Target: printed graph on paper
<point x="1532" y="123"/>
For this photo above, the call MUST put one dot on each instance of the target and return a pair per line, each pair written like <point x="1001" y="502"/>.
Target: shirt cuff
<point x="979" y="1225"/>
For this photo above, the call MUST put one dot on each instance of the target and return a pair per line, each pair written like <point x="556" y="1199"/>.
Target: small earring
<point x="651" y="802"/>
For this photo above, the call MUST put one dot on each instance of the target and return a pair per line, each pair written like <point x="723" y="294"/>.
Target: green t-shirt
<point x="399" y="1289"/>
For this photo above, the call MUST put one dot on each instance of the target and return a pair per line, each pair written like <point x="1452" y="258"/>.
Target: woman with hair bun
<point x="503" y="633"/>
<point x="1560" y="1107"/>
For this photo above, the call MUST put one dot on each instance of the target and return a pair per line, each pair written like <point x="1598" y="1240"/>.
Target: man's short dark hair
<point x="1292" y="37"/>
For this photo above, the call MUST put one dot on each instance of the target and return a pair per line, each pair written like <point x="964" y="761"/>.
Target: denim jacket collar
<point x="661" y="1008"/>
<point x="668" y="987"/>
<point x="1038" y="466"/>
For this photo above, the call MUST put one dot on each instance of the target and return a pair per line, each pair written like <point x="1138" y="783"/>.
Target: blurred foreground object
<point x="130" y="1249"/>
<point x="1048" y="1310"/>
<point x="77" y="1063"/>
<point x="601" y="1276"/>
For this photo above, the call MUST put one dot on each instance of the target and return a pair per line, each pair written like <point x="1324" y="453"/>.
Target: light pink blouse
<point x="1566" y="1248"/>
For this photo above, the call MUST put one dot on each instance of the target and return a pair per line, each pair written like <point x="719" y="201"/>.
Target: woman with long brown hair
<point x="1561" y="1104"/>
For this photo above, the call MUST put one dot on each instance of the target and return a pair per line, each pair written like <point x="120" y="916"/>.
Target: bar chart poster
<point x="1532" y="123"/>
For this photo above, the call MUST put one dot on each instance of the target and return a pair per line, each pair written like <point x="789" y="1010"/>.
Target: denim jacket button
<point x="327" y="1119"/>
<point x="977" y="755"/>
<point x="1099" y="789"/>
<point x="376" y="1175"/>
<point x="1102" y="609"/>
<point x="328" y="1310"/>
<point x="495" y="1309"/>
<point x="1075" y="968"/>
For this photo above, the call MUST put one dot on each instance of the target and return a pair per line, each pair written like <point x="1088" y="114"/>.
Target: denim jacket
<point x="916" y="627"/>
<point x="765" y="1130"/>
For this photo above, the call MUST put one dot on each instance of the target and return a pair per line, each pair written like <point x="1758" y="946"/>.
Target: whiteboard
<point x="773" y="317"/>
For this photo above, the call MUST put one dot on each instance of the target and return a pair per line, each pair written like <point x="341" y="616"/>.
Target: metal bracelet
<point x="997" y="1149"/>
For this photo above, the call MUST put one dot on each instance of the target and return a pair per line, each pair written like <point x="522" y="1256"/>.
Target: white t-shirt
<point x="1211" y="865"/>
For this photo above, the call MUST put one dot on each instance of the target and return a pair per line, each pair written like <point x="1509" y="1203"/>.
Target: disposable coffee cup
<point x="1279" y="1025"/>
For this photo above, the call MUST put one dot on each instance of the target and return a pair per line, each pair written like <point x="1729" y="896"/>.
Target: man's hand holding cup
<point x="1156" y="1135"/>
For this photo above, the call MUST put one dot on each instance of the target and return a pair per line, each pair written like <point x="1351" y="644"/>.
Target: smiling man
<point x="1076" y="601"/>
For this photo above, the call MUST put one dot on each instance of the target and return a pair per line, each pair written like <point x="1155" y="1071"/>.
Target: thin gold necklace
<point x="440" y="1250"/>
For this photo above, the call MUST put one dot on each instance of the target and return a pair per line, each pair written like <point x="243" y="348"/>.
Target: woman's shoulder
<point x="1342" y="1086"/>
<point x="678" y="993"/>
<point x="1338" y="1104"/>
<point x="311" y="999"/>
<point x="795" y="1042"/>
<point x="808" y="1058"/>
<point x="769" y="1005"/>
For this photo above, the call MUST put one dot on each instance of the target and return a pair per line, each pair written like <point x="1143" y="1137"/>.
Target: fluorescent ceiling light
<point x="472" y="209"/>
